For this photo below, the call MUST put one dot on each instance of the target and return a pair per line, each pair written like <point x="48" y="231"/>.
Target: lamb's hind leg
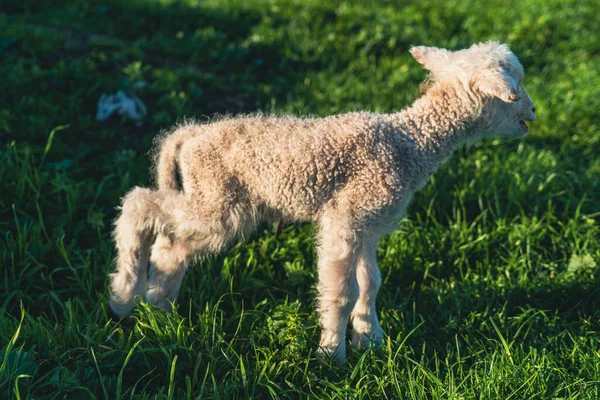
<point x="205" y="229"/>
<point x="134" y="233"/>
<point x="366" y="330"/>
<point x="168" y="264"/>
<point x="176" y="245"/>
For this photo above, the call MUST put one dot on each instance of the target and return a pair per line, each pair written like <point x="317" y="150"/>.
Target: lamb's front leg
<point x="366" y="330"/>
<point x="337" y="287"/>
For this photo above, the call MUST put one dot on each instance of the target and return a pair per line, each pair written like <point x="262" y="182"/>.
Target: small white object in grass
<point x="140" y="85"/>
<point x="121" y="103"/>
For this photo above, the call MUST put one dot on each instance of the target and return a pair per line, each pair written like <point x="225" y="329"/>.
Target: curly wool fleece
<point x="352" y="174"/>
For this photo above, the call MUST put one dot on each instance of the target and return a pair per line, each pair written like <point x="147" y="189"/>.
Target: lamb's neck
<point x="437" y="123"/>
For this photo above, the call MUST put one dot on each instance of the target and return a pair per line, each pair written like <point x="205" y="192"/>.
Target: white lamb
<point x="352" y="174"/>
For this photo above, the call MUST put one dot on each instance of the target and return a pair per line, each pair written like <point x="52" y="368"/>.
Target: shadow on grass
<point x="539" y="316"/>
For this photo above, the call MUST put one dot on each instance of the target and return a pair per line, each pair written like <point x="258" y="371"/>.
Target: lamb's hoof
<point x="367" y="340"/>
<point x="332" y="353"/>
<point x="127" y="320"/>
<point x="123" y="318"/>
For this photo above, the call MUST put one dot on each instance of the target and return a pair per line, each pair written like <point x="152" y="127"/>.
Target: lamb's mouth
<point x="524" y="125"/>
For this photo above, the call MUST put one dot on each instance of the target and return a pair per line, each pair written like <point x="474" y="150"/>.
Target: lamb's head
<point x="488" y="75"/>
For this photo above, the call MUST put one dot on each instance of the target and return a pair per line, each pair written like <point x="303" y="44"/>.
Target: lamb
<point x="352" y="174"/>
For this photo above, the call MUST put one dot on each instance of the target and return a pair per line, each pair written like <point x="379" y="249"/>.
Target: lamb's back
<point x="297" y="166"/>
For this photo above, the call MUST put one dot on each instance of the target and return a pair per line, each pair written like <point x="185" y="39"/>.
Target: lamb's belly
<point x="289" y="200"/>
<point x="386" y="221"/>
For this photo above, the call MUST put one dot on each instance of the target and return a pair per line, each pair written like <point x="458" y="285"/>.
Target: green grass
<point x="491" y="283"/>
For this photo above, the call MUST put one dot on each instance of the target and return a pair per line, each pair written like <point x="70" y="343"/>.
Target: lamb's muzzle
<point x="351" y="174"/>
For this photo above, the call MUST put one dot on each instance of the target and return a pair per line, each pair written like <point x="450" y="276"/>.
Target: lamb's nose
<point x="533" y="109"/>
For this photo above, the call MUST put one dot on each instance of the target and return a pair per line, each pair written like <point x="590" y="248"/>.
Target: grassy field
<point x="491" y="284"/>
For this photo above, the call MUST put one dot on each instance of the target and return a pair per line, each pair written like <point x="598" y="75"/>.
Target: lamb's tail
<point x="166" y="158"/>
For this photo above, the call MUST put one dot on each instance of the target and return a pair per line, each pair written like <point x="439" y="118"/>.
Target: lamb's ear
<point x="498" y="83"/>
<point x="432" y="58"/>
